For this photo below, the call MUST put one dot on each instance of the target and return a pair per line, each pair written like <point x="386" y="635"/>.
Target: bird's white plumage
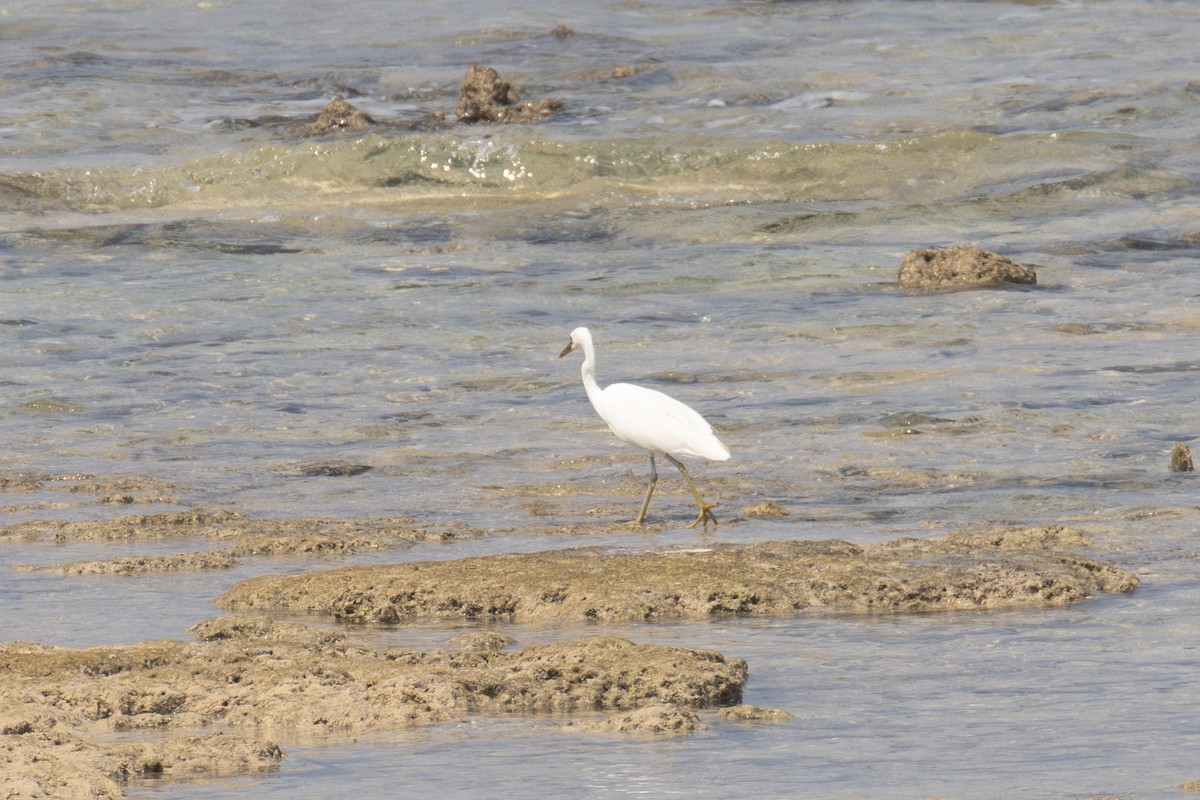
<point x="657" y="422"/>
<point x="643" y="417"/>
<point x="653" y="421"/>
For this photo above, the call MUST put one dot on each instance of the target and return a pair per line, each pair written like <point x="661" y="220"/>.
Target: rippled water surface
<point x="197" y="288"/>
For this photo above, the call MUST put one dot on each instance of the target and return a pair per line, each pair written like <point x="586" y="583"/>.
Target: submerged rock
<point x="765" y="508"/>
<point x="1004" y="568"/>
<point x="486" y="97"/>
<point x="960" y="266"/>
<point x="250" y="538"/>
<point x="141" y="488"/>
<point x="331" y="469"/>
<point x="222" y="558"/>
<point x="338" y="115"/>
<point x="480" y="642"/>
<point x="748" y="713"/>
<point x="659" y="719"/>
<point x="1181" y="458"/>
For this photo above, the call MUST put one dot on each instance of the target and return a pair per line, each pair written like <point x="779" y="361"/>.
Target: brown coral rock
<point x="1181" y="458"/>
<point x="486" y="97"/>
<point x="295" y="681"/>
<point x="54" y="763"/>
<point x="658" y="720"/>
<point x="765" y="508"/>
<point x="247" y="678"/>
<point x="249" y="538"/>
<point x="748" y="713"/>
<point x="958" y="267"/>
<point x="1004" y="568"/>
<point x="339" y="114"/>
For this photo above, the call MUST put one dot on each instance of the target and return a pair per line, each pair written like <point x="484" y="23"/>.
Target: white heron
<point x="651" y="420"/>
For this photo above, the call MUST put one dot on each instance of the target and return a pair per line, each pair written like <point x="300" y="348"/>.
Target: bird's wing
<point x="658" y="422"/>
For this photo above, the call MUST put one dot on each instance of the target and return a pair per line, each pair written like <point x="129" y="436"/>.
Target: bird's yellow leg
<point x="649" y="491"/>
<point x="705" y="508"/>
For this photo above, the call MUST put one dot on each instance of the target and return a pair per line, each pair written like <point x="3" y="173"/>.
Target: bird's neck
<point x="588" y="371"/>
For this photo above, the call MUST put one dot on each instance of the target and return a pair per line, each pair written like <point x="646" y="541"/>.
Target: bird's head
<point x="578" y="337"/>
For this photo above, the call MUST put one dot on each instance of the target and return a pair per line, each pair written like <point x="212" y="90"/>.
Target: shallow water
<point x="193" y="289"/>
<point x="1026" y="704"/>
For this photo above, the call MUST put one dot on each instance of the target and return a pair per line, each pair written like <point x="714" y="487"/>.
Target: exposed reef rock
<point x="42" y="761"/>
<point x="486" y="97"/>
<point x="250" y="686"/>
<point x="959" y="267"/>
<point x="339" y="114"/>
<point x="971" y="570"/>
<point x="253" y="678"/>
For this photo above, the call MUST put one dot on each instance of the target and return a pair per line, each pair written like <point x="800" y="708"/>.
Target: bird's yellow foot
<point x="705" y="515"/>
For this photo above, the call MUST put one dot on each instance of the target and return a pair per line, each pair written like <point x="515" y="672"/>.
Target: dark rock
<point x="331" y="469"/>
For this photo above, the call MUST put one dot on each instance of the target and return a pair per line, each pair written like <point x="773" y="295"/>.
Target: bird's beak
<point x="570" y="346"/>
